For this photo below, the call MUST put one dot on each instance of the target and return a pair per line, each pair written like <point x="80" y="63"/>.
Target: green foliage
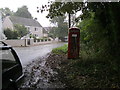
<point x="102" y="31"/>
<point x="99" y="31"/>
<point x="21" y="30"/>
<point x="23" y="12"/>
<point x="61" y="8"/>
<point x="61" y="30"/>
<point x="94" y="38"/>
<point x="10" y="34"/>
<point x="18" y="32"/>
<point x="15" y="35"/>
<point x="6" y="11"/>
<point x="99" y="64"/>
<point x="61" y="50"/>
<point x="90" y="73"/>
<point x="52" y="33"/>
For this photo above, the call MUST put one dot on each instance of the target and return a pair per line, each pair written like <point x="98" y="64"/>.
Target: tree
<point x="6" y="12"/>
<point x="23" y="12"/>
<point x="52" y="33"/>
<point x="15" y="35"/>
<point x="106" y="14"/>
<point x="18" y="32"/>
<point x="21" y="30"/>
<point x="103" y="27"/>
<point x="61" y="29"/>
<point x="61" y="8"/>
<point x="10" y="34"/>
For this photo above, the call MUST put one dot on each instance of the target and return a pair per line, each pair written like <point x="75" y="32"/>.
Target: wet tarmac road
<point x="29" y="54"/>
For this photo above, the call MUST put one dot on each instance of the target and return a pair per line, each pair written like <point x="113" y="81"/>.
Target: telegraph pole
<point x="69" y="17"/>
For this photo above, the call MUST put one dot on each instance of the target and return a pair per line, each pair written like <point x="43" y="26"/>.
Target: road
<point x="28" y="54"/>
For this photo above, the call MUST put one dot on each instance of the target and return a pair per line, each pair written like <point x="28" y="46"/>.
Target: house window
<point x="36" y="35"/>
<point x="36" y="29"/>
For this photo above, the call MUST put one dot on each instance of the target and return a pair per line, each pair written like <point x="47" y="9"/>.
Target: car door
<point x="11" y="67"/>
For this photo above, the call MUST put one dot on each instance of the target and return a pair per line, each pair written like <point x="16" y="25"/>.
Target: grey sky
<point x="32" y="7"/>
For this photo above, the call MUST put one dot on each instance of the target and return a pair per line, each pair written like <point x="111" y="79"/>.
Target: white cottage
<point x="32" y="25"/>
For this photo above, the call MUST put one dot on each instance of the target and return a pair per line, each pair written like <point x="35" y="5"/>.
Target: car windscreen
<point x="7" y="59"/>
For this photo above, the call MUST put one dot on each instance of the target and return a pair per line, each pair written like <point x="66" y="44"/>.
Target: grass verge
<point x="60" y="50"/>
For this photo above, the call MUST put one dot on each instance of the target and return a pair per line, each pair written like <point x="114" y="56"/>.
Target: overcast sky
<point x="32" y="7"/>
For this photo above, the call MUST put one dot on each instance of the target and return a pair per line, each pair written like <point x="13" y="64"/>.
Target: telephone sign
<point x="73" y="43"/>
<point x="74" y="35"/>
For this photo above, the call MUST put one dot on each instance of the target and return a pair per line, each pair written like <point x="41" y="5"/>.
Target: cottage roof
<point x="24" y="21"/>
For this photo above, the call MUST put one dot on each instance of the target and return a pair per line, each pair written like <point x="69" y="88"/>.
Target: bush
<point x="41" y="39"/>
<point x="45" y="39"/>
<point x="11" y="34"/>
<point x="38" y="40"/>
<point x="49" y="39"/>
<point x="90" y="73"/>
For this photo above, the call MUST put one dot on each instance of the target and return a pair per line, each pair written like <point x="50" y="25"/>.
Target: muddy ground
<point x="42" y="73"/>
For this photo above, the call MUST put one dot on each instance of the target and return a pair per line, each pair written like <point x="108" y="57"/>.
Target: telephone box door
<point x="73" y="43"/>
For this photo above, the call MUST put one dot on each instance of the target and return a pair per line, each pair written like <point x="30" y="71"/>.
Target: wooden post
<point x="25" y="42"/>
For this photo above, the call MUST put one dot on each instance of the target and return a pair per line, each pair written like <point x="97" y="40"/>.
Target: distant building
<point x="32" y="25"/>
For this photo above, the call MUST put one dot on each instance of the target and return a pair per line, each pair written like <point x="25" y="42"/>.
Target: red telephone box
<point x="73" y="43"/>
